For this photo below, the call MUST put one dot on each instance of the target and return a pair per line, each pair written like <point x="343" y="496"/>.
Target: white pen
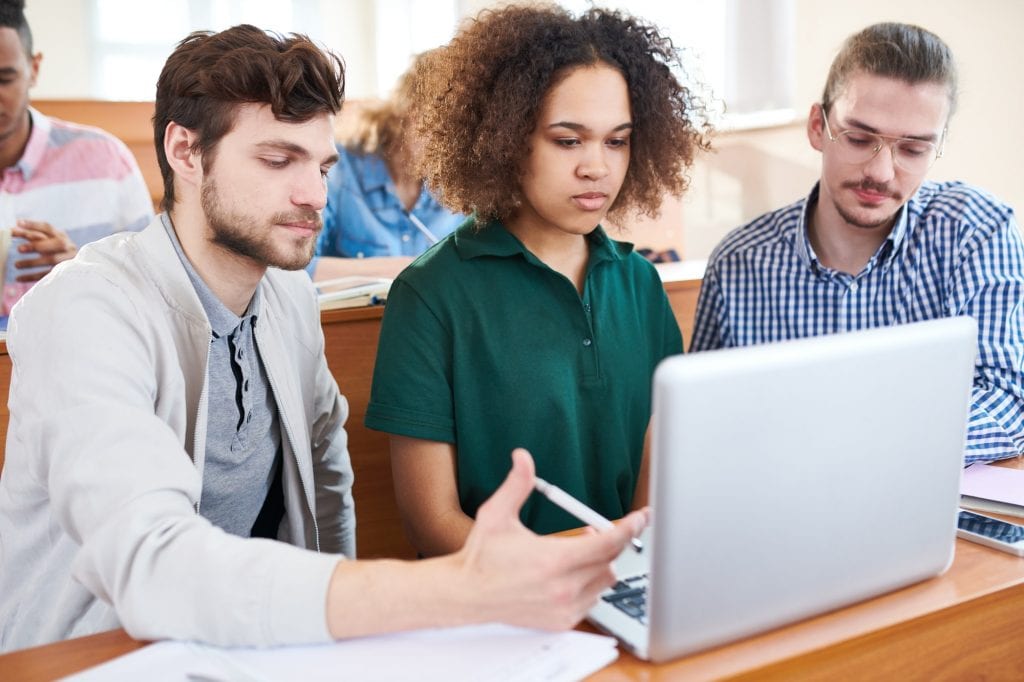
<point x="581" y="511"/>
<point x="431" y="237"/>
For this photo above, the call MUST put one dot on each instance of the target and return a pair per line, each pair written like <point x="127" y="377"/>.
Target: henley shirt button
<point x="587" y="342"/>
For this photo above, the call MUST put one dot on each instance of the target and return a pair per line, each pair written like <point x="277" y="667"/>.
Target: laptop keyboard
<point x="629" y="595"/>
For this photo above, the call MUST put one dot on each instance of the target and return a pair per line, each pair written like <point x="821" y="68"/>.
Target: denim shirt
<point x="365" y="218"/>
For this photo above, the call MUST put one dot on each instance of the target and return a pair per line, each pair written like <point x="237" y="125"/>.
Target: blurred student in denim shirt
<point x="378" y="210"/>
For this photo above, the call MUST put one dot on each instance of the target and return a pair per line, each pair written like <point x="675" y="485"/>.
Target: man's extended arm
<point x="504" y="573"/>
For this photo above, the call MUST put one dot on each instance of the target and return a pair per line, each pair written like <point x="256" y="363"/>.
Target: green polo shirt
<point x="484" y="346"/>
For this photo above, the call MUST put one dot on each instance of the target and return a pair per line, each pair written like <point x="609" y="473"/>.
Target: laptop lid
<point x="793" y="478"/>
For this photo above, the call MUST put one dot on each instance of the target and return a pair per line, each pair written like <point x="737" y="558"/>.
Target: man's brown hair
<point x="900" y="51"/>
<point x="210" y="74"/>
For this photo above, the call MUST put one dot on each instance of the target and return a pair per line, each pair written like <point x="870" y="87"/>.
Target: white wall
<point x="57" y="31"/>
<point x="60" y="29"/>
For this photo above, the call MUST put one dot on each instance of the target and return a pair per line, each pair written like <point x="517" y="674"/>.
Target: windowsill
<point x="685" y="270"/>
<point x="775" y="118"/>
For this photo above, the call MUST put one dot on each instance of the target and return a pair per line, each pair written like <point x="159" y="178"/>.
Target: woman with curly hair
<point x="529" y="326"/>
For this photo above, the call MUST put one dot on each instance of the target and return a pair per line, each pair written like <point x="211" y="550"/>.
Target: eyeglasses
<point x="859" y="146"/>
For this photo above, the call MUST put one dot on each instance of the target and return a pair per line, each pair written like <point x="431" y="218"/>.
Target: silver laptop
<point x="793" y="478"/>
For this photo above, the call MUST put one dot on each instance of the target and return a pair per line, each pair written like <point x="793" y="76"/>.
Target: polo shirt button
<point x="587" y="342"/>
<point x="405" y="237"/>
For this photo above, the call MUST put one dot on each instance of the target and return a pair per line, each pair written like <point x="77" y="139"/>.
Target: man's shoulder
<point x="764" y="231"/>
<point x="103" y="257"/>
<point x="63" y="130"/>
<point x="101" y="272"/>
<point x="960" y="202"/>
<point x="71" y="142"/>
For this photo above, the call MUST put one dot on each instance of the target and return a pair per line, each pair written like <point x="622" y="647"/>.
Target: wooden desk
<point x="682" y="284"/>
<point x="963" y="624"/>
<point x="350" y="344"/>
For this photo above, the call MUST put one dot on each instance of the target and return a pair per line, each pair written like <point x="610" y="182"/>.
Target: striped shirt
<point x="954" y="250"/>
<point x="78" y="179"/>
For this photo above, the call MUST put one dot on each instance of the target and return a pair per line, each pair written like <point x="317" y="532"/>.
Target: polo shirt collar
<point x="492" y="239"/>
<point x="223" y="322"/>
<point x="35" y="148"/>
<point x="802" y="242"/>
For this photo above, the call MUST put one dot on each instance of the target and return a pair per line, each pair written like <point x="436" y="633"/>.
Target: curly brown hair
<point x="480" y="99"/>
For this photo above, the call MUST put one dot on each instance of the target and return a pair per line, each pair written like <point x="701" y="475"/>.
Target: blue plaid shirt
<point x="954" y="250"/>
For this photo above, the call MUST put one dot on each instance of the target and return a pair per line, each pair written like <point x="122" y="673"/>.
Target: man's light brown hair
<point x="210" y="74"/>
<point x="900" y="51"/>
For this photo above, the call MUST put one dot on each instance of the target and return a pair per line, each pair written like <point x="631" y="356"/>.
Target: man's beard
<point x="248" y="237"/>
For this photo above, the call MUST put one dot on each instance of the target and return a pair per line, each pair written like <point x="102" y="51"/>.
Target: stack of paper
<point x="993" y="489"/>
<point x="486" y="653"/>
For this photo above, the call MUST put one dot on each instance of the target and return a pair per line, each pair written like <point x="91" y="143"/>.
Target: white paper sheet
<point x="487" y="653"/>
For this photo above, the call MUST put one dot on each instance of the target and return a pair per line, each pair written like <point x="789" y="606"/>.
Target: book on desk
<point x="352" y="291"/>
<point x="993" y="489"/>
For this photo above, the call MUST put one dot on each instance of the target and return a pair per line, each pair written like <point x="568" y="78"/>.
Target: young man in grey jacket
<point x="176" y="461"/>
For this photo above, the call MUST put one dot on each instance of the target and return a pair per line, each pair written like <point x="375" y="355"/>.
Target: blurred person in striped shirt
<point x="62" y="185"/>
<point x="874" y="243"/>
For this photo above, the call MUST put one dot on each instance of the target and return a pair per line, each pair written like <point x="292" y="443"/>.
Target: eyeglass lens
<point x="910" y="155"/>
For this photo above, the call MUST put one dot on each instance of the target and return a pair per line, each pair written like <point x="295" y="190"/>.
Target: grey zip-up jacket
<point x="105" y="451"/>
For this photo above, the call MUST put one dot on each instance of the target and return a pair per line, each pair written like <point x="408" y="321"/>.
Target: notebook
<point x="994" y="489"/>
<point x="794" y="478"/>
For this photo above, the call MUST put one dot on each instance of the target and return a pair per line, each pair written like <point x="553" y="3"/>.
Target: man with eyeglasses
<point x="874" y="244"/>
